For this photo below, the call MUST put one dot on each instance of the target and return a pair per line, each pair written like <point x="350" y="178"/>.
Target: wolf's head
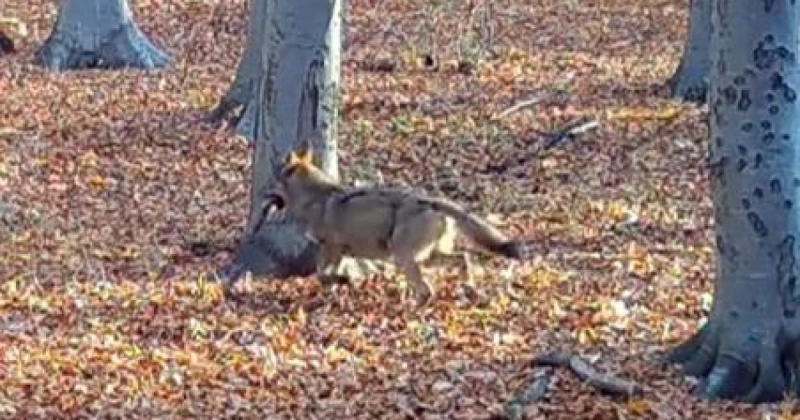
<point x="298" y="177"/>
<point x="298" y="162"/>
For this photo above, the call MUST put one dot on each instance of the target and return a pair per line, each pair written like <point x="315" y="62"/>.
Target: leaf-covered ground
<point x="105" y="176"/>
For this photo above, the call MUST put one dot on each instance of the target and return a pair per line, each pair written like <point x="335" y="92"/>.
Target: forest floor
<point x="106" y="176"/>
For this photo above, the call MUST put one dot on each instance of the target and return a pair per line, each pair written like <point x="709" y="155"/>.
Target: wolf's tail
<point x="480" y="231"/>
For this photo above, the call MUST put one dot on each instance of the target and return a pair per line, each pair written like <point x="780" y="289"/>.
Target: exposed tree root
<point x="235" y="110"/>
<point x="688" y="87"/>
<point x="728" y="378"/>
<point x="688" y="348"/>
<point x="535" y="391"/>
<point x="228" y="110"/>
<point x="698" y="354"/>
<point x="771" y="383"/>
<point x="754" y="373"/>
<point x="602" y="381"/>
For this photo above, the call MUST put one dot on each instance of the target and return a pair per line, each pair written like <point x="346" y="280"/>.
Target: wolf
<point x="401" y="226"/>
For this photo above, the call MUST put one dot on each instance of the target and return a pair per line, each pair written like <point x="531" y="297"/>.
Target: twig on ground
<point x="533" y="392"/>
<point x="602" y="381"/>
<point x="522" y="105"/>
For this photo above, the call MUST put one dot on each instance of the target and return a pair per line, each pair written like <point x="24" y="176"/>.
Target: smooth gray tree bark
<point x="98" y="34"/>
<point x="296" y="104"/>
<point x="238" y="105"/>
<point x="690" y="81"/>
<point x="748" y="349"/>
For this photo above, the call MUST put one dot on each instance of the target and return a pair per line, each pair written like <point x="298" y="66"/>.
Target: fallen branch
<point x="532" y="393"/>
<point x="602" y="381"/>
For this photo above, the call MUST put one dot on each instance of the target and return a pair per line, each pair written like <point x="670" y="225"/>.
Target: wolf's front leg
<point x="327" y="264"/>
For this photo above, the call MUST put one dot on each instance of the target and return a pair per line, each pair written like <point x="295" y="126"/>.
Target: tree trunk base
<point x="280" y="250"/>
<point x="688" y="86"/>
<point x="691" y="79"/>
<point x="755" y="371"/>
<point x="125" y="47"/>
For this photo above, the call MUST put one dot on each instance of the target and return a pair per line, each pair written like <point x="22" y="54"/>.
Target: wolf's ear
<point x="306" y="155"/>
<point x="292" y="159"/>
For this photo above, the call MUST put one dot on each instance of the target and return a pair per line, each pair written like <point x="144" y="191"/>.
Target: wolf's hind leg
<point x="413" y="241"/>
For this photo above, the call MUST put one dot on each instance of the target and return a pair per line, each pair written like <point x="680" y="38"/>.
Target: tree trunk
<point x="238" y="105"/>
<point x="748" y="348"/>
<point x="690" y="81"/>
<point x="97" y="34"/>
<point x="297" y="102"/>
